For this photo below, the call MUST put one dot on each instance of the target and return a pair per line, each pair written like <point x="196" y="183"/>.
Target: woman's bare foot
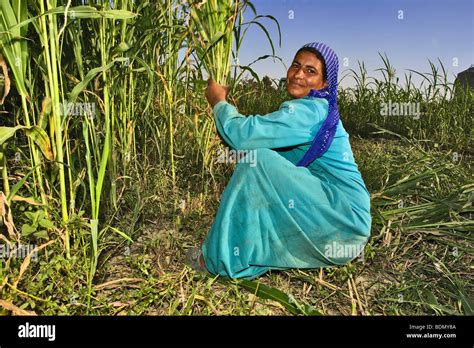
<point x="195" y="260"/>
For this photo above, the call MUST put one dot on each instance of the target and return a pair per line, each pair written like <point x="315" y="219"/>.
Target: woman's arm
<point x="296" y="122"/>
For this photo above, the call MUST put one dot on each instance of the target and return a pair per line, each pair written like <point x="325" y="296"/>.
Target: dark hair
<point x="318" y="55"/>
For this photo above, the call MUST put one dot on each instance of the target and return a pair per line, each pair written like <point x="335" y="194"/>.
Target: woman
<point x="303" y="203"/>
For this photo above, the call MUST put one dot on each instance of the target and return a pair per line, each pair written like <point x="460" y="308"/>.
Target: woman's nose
<point x="299" y="73"/>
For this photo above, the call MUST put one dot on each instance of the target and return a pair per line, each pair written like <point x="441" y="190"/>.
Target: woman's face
<point x="304" y="74"/>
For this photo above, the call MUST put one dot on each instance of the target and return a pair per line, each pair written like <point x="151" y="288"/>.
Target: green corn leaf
<point x="79" y="12"/>
<point x="151" y="75"/>
<point x="123" y="47"/>
<point x="122" y="234"/>
<point x="95" y="253"/>
<point x="267" y="292"/>
<point x="41" y="139"/>
<point x="7" y="132"/>
<point x="19" y="184"/>
<point x="37" y="134"/>
<point x="12" y="46"/>
<point x="90" y="76"/>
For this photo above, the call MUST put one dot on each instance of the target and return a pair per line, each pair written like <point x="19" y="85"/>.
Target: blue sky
<point x="357" y="30"/>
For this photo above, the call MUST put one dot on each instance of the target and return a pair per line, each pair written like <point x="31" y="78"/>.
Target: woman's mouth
<point x="292" y="83"/>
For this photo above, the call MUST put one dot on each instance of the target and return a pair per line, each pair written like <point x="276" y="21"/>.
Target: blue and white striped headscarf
<point x="325" y="135"/>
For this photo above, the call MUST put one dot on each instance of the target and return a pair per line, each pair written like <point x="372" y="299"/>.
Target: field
<point x="109" y="173"/>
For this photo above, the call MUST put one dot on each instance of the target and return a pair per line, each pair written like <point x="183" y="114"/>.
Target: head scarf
<point x="325" y="135"/>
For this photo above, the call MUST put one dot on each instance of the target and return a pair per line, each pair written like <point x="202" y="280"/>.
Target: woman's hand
<point x="215" y="92"/>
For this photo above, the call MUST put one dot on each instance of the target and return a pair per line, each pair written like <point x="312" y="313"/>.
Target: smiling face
<point x="305" y="74"/>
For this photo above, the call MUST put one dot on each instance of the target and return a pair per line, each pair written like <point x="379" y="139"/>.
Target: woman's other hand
<point x="215" y="92"/>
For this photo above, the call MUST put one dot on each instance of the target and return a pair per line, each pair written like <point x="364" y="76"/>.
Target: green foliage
<point x="113" y="177"/>
<point x="37" y="226"/>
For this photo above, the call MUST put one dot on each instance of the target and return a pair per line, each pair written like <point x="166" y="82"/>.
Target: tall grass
<point x="136" y="72"/>
<point x="214" y="22"/>
<point x="126" y="76"/>
<point x="446" y="110"/>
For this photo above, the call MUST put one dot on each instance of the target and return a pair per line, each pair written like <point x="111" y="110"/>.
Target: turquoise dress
<point x="275" y="215"/>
